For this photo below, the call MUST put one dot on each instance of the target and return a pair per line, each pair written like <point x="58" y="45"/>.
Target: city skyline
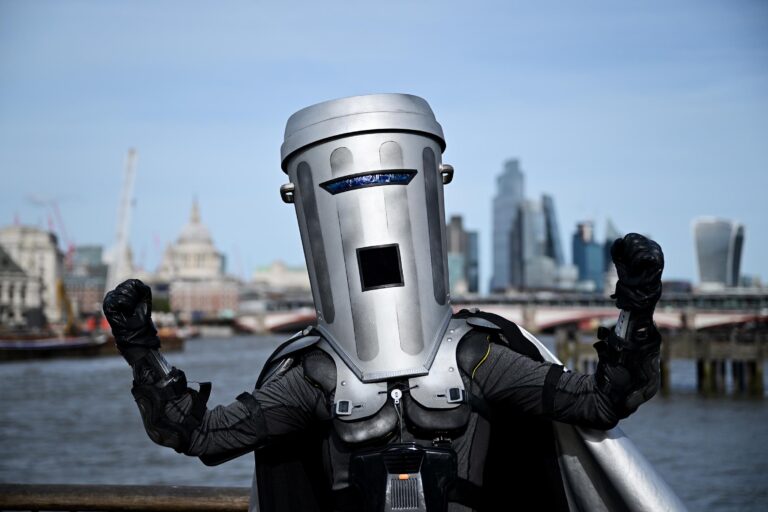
<point x="553" y="240"/>
<point x="643" y="115"/>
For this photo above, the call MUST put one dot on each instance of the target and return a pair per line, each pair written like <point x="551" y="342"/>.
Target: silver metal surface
<point x="628" y="473"/>
<point x="160" y="362"/>
<point x="365" y="399"/>
<point x="286" y="192"/>
<point x="405" y="495"/>
<point x="392" y="329"/>
<point x="622" y="324"/>
<point x="446" y="171"/>
<point x="603" y="470"/>
<point x="357" y="114"/>
<point x="431" y="390"/>
<point x="548" y="356"/>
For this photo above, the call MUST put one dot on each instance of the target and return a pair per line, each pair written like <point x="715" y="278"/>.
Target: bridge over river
<point x="546" y="312"/>
<point x="715" y="330"/>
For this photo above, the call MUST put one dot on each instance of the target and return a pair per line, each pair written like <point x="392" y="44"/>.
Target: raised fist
<point x="639" y="262"/>
<point x="128" y="309"/>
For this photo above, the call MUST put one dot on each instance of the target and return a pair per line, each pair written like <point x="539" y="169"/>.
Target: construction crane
<point x="58" y="226"/>
<point x="120" y="259"/>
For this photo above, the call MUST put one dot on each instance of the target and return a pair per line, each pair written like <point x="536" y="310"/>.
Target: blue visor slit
<point x="370" y="179"/>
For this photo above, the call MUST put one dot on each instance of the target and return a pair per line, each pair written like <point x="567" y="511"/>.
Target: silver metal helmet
<point x="367" y="182"/>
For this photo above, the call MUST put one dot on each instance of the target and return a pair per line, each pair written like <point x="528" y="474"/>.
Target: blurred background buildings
<point x="463" y="258"/>
<point x="42" y="283"/>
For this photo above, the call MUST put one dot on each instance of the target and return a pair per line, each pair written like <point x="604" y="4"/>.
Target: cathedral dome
<point x="195" y="231"/>
<point x="193" y="256"/>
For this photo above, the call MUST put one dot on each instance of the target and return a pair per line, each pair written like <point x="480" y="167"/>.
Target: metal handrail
<point x="137" y="498"/>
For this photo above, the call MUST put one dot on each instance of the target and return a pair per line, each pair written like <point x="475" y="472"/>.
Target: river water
<point x="74" y="421"/>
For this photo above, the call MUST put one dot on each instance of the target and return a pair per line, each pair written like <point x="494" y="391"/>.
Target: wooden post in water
<point x="564" y="347"/>
<point x="719" y="375"/>
<point x="710" y="365"/>
<point x="756" y="386"/>
<point x="704" y="379"/>
<point x="738" y="376"/>
<point x="529" y="318"/>
<point x="754" y="371"/>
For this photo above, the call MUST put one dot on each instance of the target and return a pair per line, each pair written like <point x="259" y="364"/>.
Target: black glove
<point x="639" y="262"/>
<point x="128" y="309"/>
<point x="628" y="368"/>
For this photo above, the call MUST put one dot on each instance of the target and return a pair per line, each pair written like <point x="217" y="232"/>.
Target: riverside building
<point x="21" y="298"/>
<point x="36" y="252"/>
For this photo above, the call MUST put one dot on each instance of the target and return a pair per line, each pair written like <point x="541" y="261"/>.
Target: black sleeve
<point x="284" y="405"/>
<point x="511" y="380"/>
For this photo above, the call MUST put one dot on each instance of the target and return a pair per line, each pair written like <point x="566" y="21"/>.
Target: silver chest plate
<point x="354" y="399"/>
<point x="441" y="388"/>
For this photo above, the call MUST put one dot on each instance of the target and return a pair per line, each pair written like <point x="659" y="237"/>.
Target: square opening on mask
<point x="380" y="266"/>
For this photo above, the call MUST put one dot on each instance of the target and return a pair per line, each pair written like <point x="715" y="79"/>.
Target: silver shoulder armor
<point x="354" y="399"/>
<point x="441" y="388"/>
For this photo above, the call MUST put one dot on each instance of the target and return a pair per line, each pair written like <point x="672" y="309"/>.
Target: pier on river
<point x="725" y="333"/>
<point x="721" y="355"/>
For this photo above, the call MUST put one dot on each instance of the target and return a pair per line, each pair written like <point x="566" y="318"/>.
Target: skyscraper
<point x="718" y="249"/>
<point x="473" y="262"/>
<point x="462" y="257"/>
<point x="552" y="248"/>
<point x="588" y="256"/>
<point x="509" y="195"/>
<point x="533" y="260"/>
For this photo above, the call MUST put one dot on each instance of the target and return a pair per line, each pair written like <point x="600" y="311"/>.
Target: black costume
<point x="390" y="402"/>
<point x="288" y="419"/>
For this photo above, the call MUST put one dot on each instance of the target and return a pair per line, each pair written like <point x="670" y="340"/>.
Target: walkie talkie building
<point x="718" y="251"/>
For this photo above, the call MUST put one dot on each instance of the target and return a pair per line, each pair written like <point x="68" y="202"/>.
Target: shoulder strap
<point x="511" y="335"/>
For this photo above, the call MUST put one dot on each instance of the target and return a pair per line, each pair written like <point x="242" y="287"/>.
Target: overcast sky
<point x="648" y="113"/>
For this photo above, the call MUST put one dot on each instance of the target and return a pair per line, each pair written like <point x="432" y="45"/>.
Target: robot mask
<point x="367" y="183"/>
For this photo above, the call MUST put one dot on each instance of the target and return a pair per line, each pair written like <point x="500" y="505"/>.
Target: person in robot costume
<point x="391" y="401"/>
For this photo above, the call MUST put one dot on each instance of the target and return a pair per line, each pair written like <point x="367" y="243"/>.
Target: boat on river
<point x="26" y="347"/>
<point x="51" y="347"/>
